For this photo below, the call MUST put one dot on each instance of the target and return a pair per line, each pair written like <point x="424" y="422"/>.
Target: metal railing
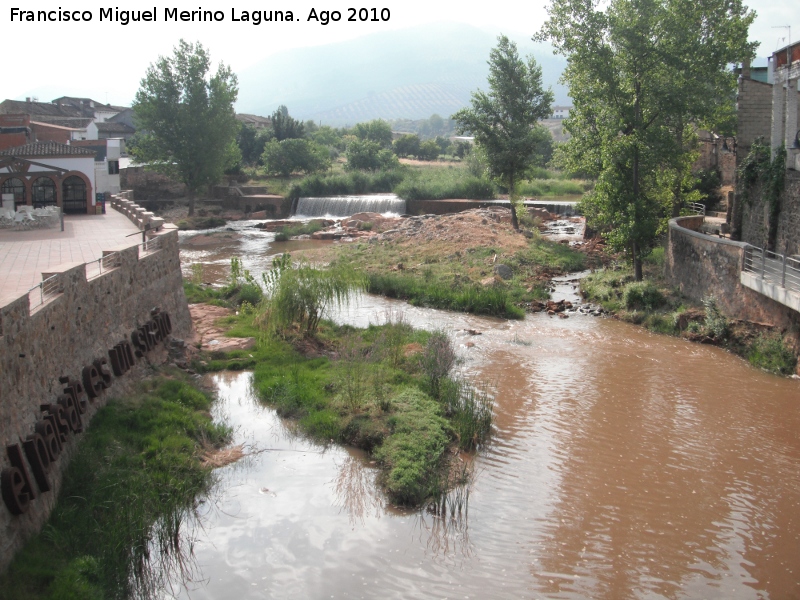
<point x="43" y="290"/>
<point x="775" y="269"/>
<point x="150" y="245"/>
<point x="102" y="265"/>
<point x="697" y="208"/>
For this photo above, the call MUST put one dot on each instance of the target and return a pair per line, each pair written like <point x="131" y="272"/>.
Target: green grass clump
<point x="471" y="298"/>
<point x="413" y="451"/>
<point x="771" y="354"/>
<point x="642" y="295"/>
<point x="340" y="184"/>
<point x="290" y="231"/>
<point x="441" y="184"/>
<point x="130" y="485"/>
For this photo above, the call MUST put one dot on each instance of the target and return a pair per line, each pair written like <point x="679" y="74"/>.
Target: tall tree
<point x="642" y="74"/>
<point x="504" y="121"/>
<point x="286" y="127"/>
<point x="188" y="118"/>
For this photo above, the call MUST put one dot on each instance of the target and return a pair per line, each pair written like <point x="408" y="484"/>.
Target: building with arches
<point x="49" y="174"/>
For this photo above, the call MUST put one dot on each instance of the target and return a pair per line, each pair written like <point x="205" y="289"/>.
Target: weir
<point x="344" y="206"/>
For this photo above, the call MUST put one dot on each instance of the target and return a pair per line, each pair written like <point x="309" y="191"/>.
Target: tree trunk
<point x="511" y="199"/>
<point x="676" y="191"/>
<point x="191" y="204"/>
<point x="637" y="263"/>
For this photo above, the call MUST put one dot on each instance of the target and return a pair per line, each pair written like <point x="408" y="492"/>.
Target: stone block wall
<point x="753" y="113"/>
<point x="755" y="220"/>
<point x="701" y="265"/>
<point x="72" y="329"/>
<point x="788" y="239"/>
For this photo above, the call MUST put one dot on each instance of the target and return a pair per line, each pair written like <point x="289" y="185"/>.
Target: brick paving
<point x="24" y="255"/>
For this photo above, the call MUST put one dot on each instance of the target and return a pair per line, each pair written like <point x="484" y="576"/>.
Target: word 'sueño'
<point x="64" y="418"/>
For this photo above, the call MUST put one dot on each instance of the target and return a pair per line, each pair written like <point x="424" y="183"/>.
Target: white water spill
<point x="332" y="207"/>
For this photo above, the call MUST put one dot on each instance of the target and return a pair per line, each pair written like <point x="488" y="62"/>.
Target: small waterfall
<point x="344" y="206"/>
<point x="563" y="209"/>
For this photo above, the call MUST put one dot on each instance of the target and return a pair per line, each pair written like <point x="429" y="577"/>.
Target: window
<point x="113" y="167"/>
<point x="74" y="194"/>
<point x="17" y="187"/>
<point x="44" y="192"/>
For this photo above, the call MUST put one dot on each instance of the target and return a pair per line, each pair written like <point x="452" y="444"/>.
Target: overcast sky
<point x="106" y="60"/>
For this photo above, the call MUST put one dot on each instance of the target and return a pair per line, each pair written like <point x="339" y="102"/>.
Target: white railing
<point x="150" y="245"/>
<point x="102" y="265"/>
<point x="775" y="269"/>
<point x="43" y="290"/>
<point x="696" y="208"/>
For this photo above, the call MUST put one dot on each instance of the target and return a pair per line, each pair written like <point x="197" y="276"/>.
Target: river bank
<point x="117" y="528"/>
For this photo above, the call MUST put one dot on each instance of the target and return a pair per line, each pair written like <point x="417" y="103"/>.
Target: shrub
<point x="469" y="410"/>
<point x="299" y="296"/>
<point x="771" y="354"/>
<point x="642" y="295"/>
<point x="716" y="323"/>
<point x="437" y="360"/>
<point x="250" y="293"/>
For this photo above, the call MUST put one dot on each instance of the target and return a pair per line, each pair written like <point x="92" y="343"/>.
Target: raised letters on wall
<point x="62" y="419"/>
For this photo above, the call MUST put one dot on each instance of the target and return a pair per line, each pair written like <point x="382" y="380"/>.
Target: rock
<point x="487" y="282"/>
<point x="473" y="332"/>
<point x="563" y="316"/>
<point x="503" y="271"/>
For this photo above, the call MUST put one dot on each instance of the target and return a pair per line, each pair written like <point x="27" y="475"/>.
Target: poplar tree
<point x="504" y="120"/>
<point x="642" y="74"/>
<point x="187" y="118"/>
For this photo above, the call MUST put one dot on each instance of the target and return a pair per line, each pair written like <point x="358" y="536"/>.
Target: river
<point x="623" y="464"/>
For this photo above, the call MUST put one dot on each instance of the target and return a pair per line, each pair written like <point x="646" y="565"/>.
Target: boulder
<point x="503" y="271"/>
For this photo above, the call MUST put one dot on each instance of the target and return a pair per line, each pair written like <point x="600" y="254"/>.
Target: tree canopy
<point x="187" y="118"/>
<point x="377" y="130"/>
<point x="642" y="75"/>
<point x="504" y="121"/>
<point x="294" y="156"/>
<point x="285" y="127"/>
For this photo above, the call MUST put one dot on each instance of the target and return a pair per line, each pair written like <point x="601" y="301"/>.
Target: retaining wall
<point x="702" y="265"/>
<point x="77" y="326"/>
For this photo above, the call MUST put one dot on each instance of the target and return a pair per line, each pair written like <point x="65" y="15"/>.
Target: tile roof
<point x="73" y="122"/>
<point x="40" y="109"/>
<point x="107" y="127"/>
<point x="47" y="149"/>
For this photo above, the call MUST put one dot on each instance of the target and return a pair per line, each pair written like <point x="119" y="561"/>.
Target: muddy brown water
<point x="623" y="464"/>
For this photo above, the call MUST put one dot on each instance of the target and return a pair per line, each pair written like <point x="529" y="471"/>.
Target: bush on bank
<point x="653" y="304"/>
<point x="127" y="491"/>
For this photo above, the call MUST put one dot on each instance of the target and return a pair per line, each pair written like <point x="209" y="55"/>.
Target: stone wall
<point x="755" y="219"/>
<point x="753" y="113"/>
<point x="78" y="325"/>
<point x="702" y="265"/>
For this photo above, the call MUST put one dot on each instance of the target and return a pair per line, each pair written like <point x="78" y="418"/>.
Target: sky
<point x="105" y="60"/>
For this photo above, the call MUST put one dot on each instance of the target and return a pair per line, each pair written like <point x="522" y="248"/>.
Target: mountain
<point x="409" y="73"/>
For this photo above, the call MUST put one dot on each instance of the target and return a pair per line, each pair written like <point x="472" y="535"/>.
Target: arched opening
<point x="44" y="192"/>
<point x="74" y="195"/>
<point x="16" y="187"/>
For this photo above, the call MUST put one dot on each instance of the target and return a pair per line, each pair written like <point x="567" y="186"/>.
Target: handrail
<point x="102" y="265"/>
<point x="776" y="269"/>
<point x="697" y="208"/>
<point x="45" y="288"/>
<point x="150" y="245"/>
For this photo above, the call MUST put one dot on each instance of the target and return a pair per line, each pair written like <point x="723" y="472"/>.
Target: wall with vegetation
<point x="71" y="330"/>
<point x="701" y="265"/>
<point x="756" y="211"/>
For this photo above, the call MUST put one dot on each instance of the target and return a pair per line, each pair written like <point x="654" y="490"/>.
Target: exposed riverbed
<point x="623" y="464"/>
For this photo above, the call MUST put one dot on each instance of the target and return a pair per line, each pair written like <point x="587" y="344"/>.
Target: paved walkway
<point x="24" y="255"/>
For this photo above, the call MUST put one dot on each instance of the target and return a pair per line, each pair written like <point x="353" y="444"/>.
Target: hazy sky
<point x="106" y="60"/>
